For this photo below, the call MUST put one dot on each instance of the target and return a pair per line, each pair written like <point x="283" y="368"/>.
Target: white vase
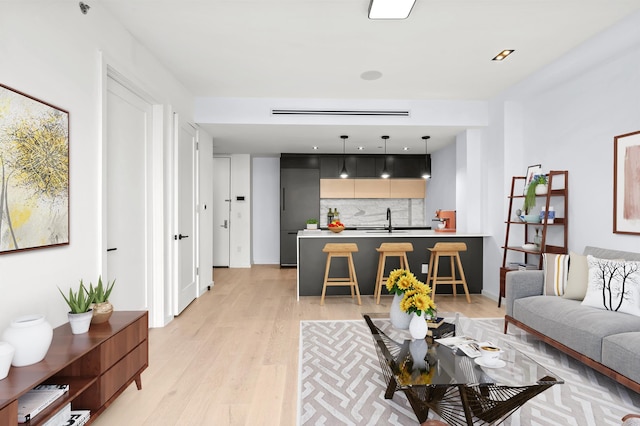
<point x="6" y="356"/>
<point x="399" y="318"/>
<point x="418" y="326"/>
<point x="30" y="336"/>
<point x="80" y="322"/>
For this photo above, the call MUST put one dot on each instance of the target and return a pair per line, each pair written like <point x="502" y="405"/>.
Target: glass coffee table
<point x="461" y="390"/>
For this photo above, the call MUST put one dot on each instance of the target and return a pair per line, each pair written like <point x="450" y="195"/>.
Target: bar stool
<point x="385" y="250"/>
<point x="341" y="250"/>
<point x="451" y="250"/>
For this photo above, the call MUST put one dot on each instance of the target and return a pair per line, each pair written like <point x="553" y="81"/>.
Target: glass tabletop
<point x="418" y="362"/>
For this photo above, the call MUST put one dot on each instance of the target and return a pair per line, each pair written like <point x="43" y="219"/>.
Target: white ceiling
<point x="319" y="49"/>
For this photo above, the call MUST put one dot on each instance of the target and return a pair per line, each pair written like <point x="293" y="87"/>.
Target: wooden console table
<point x="98" y="366"/>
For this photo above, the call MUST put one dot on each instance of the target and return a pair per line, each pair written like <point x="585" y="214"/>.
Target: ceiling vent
<point x="358" y="112"/>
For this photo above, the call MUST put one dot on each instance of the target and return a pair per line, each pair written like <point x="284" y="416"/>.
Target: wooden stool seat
<point x="341" y="250"/>
<point x="385" y="250"/>
<point x="452" y="251"/>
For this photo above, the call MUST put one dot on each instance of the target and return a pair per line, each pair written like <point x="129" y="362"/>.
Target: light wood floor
<point x="231" y="358"/>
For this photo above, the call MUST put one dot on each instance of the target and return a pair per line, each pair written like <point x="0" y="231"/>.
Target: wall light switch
<point x="425" y="268"/>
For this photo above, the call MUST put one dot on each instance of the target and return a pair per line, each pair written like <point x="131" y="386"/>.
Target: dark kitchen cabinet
<point x="331" y="166"/>
<point x="299" y="201"/>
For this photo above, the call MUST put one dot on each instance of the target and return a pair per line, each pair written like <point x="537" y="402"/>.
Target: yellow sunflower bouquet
<point x="415" y="293"/>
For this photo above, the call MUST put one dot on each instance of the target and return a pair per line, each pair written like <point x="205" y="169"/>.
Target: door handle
<point x="112" y="249"/>
<point x="180" y="237"/>
<point x="225" y="225"/>
<point x="284" y="200"/>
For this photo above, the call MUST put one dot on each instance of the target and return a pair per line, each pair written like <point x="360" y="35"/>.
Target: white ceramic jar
<point x="6" y="356"/>
<point x="30" y="336"/>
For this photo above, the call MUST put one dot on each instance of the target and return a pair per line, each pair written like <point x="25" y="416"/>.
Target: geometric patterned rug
<point x="341" y="382"/>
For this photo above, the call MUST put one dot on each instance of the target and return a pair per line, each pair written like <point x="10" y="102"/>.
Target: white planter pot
<point x="6" y="356"/>
<point x="418" y="326"/>
<point x="399" y="318"/>
<point x="80" y="322"/>
<point x="312" y="226"/>
<point x="541" y="189"/>
<point x="30" y="336"/>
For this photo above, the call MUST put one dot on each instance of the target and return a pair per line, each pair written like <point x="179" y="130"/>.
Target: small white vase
<point x="80" y="323"/>
<point x="30" y="336"/>
<point x="399" y="318"/>
<point x="6" y="356"/>
<point x="418" y="326"/>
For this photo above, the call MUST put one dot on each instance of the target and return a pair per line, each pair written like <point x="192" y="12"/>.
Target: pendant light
<point x="343" y="173"/>
<point x="385" y="173"/>
<point x="427" y="170"/>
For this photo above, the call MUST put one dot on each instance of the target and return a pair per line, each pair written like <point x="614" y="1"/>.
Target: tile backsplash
<point x="373" y="212"/>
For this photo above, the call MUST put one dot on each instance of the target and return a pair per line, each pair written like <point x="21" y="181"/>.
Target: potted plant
<point x="312" y="223"/>
<point x="80" y="312"/>
<point x="530" y="196"/>
<point x="102" y="309"/>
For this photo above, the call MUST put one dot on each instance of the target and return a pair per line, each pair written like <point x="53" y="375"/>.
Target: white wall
<point x="441" y="188"/>
<point x="266" y="210"/>
<point x="565" y="117"/>
<point x="240" y="218"/>
<point x="66" y="70"/>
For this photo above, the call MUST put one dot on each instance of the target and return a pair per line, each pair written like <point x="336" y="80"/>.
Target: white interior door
<point x="186" y="235"/>
<point x="221" y="210"/>
<point x="128" y="134"/>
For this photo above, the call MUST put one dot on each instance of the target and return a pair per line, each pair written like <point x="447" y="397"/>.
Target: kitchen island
<point x="312" y="261"/>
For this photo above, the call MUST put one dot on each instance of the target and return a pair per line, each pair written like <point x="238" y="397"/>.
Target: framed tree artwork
<point x="34" y="173"/>
<point x="626" y="184"/>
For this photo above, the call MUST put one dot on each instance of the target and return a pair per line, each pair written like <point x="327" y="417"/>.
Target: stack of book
<point x="39" y="398"/>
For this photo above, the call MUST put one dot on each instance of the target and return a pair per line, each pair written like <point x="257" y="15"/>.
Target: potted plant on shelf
<point x="530" y="196"/>
<point x="80" y="313"/>
<point x="312" y="223"/>
<point x="102" y="309"/>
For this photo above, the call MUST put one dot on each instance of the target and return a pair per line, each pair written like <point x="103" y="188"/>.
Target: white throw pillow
<point x="556" y="267"/>
<point x="614" y="285"/>
<point x="578" y="277"/>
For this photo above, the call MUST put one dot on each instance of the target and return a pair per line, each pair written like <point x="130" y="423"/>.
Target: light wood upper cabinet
<point x="337" y="188"/>
<point x="372" y="188"/>
<point x="407" y="188"/>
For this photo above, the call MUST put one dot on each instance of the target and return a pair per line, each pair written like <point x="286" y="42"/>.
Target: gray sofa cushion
<point x="581" y="328"/>
<point x="620" y="353"/>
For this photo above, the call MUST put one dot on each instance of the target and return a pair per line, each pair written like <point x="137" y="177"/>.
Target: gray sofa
<point x="607" y="341"/>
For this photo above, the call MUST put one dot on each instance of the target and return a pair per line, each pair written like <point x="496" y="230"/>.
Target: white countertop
<point x="383" y="233"/>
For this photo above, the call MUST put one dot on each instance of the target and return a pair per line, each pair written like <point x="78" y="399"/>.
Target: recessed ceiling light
<point x="405" y="148"/>
<point x="371" y="75"/>
<point x="502" y="55"/>
<point x="390" y="9"/>
<point x="315" y="148"/>
<point x="360" y="148"/>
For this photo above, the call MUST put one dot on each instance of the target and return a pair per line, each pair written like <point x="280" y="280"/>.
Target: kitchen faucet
<point x="389" y="217"/>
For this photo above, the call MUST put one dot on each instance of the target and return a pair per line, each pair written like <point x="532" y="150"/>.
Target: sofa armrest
<point x="519" y="284"/>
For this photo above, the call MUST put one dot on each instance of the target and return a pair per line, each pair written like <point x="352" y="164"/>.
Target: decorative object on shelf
<point x="626" y="184"/>
<point x="6" y="356"/>
<point x="530" y="196"/>
<point x="312" y="223"/>
<point x="36" y="180"/>
<point x="80" y="314"/>
<point x="537" y="239"/>
<point x="415" y="300"/>
<point x="530" y="218"/>
<point x="30" y="336"/>
<point x="336" y="226"/>
<point x="529" y="246"/>
<point x="536" y="169"/>
<point x="101" y="307"/>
